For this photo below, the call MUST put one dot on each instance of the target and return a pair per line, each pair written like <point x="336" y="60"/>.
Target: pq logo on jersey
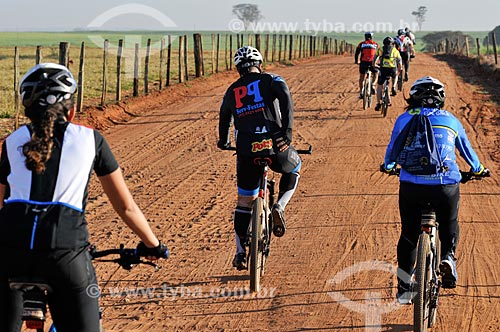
<point x="266" y="144"/>
<point x="251" y="89"/>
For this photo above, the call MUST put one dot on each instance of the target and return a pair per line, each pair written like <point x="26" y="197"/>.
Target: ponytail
<point x="43" y="121"/>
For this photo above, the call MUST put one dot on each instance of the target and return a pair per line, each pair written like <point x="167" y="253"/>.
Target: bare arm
<point x="116" y="189"/>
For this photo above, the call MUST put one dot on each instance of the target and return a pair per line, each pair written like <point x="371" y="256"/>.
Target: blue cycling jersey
<point x="449" y="134"/>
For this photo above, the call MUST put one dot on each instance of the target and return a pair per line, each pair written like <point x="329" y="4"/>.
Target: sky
<point x="289" y="15"/>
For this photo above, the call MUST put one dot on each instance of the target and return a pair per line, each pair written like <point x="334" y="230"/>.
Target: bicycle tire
<point x="400" y="81"/>
<point x="433" y="310"/>
<point x="256" y="253"/>
<point x="385" y="102"/>
<point x="422" y="277"/>
<point x="366" y="94"/>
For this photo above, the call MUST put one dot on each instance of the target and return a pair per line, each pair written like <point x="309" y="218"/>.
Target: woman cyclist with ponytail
<point x="45" y="168"/>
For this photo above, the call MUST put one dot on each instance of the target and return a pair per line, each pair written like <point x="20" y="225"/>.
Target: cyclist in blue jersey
<point x="261" y="107"/>
<point x="45" y="169"/>
<point x="427" y="96"/>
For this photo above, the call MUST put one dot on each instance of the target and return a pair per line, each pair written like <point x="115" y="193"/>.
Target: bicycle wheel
<point x="256" y="261"/>
<point x="385" y="101"/>
<point x="366" y="93"/>
<point x="422" y="278"/>
<point x="400" y="81"/>
<point x="435" y="286"/>
<point x="370" y="94"/>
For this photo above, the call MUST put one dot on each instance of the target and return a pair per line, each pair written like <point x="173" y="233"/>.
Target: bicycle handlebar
<point x="466" y="175"/>
<point x="128" y="257"/>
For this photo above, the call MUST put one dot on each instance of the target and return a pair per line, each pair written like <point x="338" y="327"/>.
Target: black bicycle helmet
<point x="388" y="41"/>
<point x="47" y="84"/>
<point x="368" y="35"/>
<point x="427" y="92"/>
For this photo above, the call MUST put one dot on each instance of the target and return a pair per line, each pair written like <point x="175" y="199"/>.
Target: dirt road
<point x="334" y="269"/>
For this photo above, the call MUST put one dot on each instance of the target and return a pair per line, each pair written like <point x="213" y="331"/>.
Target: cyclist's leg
<point x="11" y="302"/>
<point x="287" y="163"/>
<point x="362" y="73"/>
<point x="406" y="63"/>
<point x="73" y="301"/>
<point x="381" y="79"/>
<point x="363" y="68"/>
<point x="447" y="215"/>
<point x="394" y="75"/>
<point x="410" y="226"/>
<point x="374" y="77"/>
<point x="247" y="178"/>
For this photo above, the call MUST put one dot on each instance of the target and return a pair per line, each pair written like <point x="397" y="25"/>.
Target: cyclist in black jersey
<point x="261" y="107"/>
<point x="45" y="168"/>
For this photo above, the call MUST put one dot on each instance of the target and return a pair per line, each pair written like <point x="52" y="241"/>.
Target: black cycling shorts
<point x="73" y="301"/>
<point x="386" y="72"/>
<point x="365" y="65"/>
<point x="248" y="173"/>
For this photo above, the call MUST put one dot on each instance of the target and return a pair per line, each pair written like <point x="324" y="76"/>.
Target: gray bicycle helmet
<point x="427" y="92"/>
<point x="47" y="84"/>
<point x="247" y="56"/>
<point x="368" y="35"/>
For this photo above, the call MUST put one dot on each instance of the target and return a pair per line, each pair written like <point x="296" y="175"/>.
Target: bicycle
<point x="386" y="97"/>
<point x="35" y="291"/>
<point x="261" y="224"/>
<point x="426" y="282"/>
<point x="367" y="90"/>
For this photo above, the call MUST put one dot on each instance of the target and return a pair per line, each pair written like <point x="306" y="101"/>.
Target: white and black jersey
<point x="46" y="211"/>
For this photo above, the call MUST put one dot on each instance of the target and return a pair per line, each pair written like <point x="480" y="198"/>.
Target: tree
<point x="420" y="16"/>
<point x="247" y="13"/>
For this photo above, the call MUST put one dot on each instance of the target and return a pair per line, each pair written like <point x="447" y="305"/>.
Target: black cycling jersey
<point x="262" y="109"/>
<point x="46" y="211"/>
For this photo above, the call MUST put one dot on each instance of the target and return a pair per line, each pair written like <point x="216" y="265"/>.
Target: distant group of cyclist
<point x="386" y="61"/>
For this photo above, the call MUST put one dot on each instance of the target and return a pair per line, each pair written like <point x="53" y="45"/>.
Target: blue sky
<point x="323" y="15"/>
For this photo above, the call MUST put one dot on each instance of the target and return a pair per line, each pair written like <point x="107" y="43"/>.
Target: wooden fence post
<point x="169" y="57"/>
<point x="38" y="54"/>
<point x="290" y="54"/>
<point x="119" y="71"/>
<point x="478" y="49"/>
<point x="63" y="53"/>
<point x="136" y="70"/>
<point x="494" y="40"/>
<point x="104" y="72"/>
<point x="213" y="53"/>
<point x="467" y="46"/>
<point x="146" y="67"/>
<point x="81" y="78"/>
<point x="186" y="63"/>
<point x="257" y="41"/>
<point x="181" y="54"/>
<point x="217" y="54"/>
<point x="197" y="55"/>
<point x="230" y="51"/>
<point x="225" y="53"/>
<point x="16" y="87"/>
<point x="162" y="60"/>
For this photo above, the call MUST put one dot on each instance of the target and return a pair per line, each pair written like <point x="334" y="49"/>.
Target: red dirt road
<point x="334" y="269"/>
